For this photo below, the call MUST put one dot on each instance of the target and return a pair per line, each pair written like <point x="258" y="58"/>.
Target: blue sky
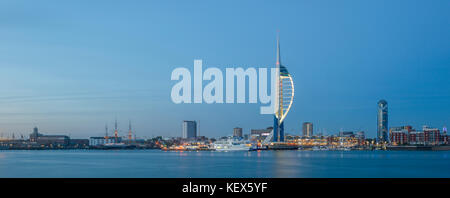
<point x="70" y="67"/>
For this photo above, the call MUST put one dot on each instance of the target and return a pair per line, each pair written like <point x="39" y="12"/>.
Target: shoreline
<point x="388" y="148"/>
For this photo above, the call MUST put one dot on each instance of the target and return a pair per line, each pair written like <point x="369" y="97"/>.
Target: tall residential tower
<point x="382" y="121"/>
<point x="237" y="132"/>
<point x="189" y="129"/>
<point x="307" y="129"/>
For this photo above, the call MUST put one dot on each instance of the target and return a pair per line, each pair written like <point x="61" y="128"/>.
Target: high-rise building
<point x="444" y="135"/>
<point x="237" y="132"/>
<point x="189" y="129"/>
<point x="382" y="121"/>
<point x="307" y="129"/>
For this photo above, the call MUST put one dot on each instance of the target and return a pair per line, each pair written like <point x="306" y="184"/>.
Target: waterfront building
<point x="79" y="143"/>
<point x="14" y="143"/>
<point x="346" y="140"/>
<point x="237" y="132"/>
<point x="34" y="135"/>
<point x="189" y="129"/>
<point x="416" y="138"/>
<point x="382" y="121"/>
<point x="311" y="141"/>
<point x="307" y="129"/>
<point x="432" y="136"/>
<point x="400" y="135"/>
<point x="48" y="140"/>
<point x="98" y="141"/>
<point x="406" y="135"/>
<point x="361" y="137"/>
<point x="54" y="140"/>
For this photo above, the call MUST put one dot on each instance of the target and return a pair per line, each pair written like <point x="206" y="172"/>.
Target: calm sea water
<point x="154" y="163"/>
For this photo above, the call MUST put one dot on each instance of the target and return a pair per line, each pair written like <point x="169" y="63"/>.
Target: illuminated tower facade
<point x="284" y="98"/>
<point x="382" y="121"/>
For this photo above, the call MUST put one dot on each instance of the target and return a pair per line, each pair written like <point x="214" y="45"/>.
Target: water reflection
<point x="153" y="163"/>
<point x="286" y="164"/>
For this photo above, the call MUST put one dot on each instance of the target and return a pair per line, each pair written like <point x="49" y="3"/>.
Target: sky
<point x="70" y="67"/>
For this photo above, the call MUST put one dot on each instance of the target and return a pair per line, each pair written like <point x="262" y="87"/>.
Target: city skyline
<point x="306" y="131"/>
<point x="70" y="73"/>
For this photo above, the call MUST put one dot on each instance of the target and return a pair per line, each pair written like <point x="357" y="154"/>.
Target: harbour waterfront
<point x="156" y="163"/>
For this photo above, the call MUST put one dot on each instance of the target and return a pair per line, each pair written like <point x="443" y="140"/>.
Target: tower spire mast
<point x="116" y="132"/>
<point x="115" y="124"/>
<point x="106" y="133"/>
<point x="129" y="131"/>
<point x="106" y="130"/>
<point x="278" y="49"/>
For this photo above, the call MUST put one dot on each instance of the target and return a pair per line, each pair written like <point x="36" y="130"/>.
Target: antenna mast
<point x="116" y="132"/>
<point x="130" y="134"/>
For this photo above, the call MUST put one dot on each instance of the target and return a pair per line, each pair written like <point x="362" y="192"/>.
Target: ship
<point x="116" y="146"/>
<point x="232" y="144"/>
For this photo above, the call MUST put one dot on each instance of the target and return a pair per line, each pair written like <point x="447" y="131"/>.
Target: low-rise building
<point x="53" y="140"/>
<point x="432" y="136"/>
<point x="79" y="143"/>
<point x="399" y="135"/>
<point x="48" y="140"/>
<point x="406" y="135"/>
